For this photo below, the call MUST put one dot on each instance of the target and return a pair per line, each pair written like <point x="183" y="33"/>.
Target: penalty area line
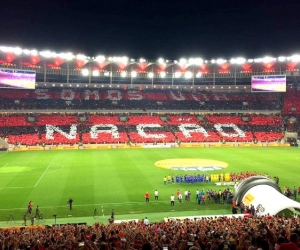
<point x="44" y="172"/>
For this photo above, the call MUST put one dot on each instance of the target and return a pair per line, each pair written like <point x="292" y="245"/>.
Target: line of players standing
<point x="200" y="196"/>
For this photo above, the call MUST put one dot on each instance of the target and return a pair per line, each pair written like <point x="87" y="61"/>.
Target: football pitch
<point x="101" y="180"/>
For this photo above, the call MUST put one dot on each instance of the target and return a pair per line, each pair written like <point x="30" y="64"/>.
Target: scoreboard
<point x="17" y="78"/>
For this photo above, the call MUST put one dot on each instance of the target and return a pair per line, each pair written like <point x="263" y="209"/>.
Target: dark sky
<point x="154" y="28"/>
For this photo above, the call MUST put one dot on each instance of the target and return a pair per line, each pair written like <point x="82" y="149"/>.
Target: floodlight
<point x="268" y="59"/>
<point x="295" y="58"/>
<point x="161" y="60"/>
<point x="188" y="75"/>
<point x="69" y="56"/>
<point x="162" y="74"/>
<point x="150" y="75"/>
<point x="81" y="57"/>
<point x="258" y="60"/>
<point x="123" y="74"/>
<point x="17" y="51"/>
<point x="5" y="49"/>
<point x="282" y="58"/>
<point x="26" y="51"/>
<point x="100" y="58"/>
<point x="133" y="74"/>
<point x="250" y="60"/>
<point x="182" y="61"/>
<point x="142" y="60"/>
<point x="177" y="74"/>
<point x="47" y="54"/>
<point x="198" y="61"/>
<point x="191" y="61"/>
<point x="34" y="52"/>
<point x="239" y="60"/>
<point x="221" y="61"/>
<point x="124" y="59"/>
<point x="85" y="72"/>
<point x="96" y="73"/>
<point x="213" y="61"/>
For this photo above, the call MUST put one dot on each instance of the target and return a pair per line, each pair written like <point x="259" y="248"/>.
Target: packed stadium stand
<point x="232" y="233"/>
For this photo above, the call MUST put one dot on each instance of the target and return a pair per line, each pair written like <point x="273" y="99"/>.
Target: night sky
<point x="154" y="28"/>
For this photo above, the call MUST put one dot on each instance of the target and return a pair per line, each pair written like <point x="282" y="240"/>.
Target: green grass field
<point x="118" y="178"/>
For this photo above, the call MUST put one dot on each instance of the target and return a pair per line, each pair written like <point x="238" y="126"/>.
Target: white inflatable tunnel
<point x="264" y="194"/>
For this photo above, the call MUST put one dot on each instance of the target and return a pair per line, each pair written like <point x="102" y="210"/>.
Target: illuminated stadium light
<point x="123" y="74"/>
<point x="117" y="59"/>
<point x="67" y="56"/>
<point x="124" y="59"/>
<point x="221" y="61"/>
<point x="34" y="52"/>
<point x="295" y="58"/>
<point x="268" y="59"/>
<point x="47" y="54"/>
<point x="213" y="61"/>
<point x="162" y="74"/>
<point x="182" y="61"/>
<point x="142" y="60"/>
<point x="196" y="61"/>
<point x="161" y="60"/>
<point x="26" y="51"/>
<point x="188" y="75"/>
<point x="258" y="60"/>
<point x="96" y="73"/>
<point x="177" y="74"/>
<point x="81" y="57"/>
<point x="282" y="59"/>
<point x="100" y="58"/>
<point x="250" y="61"/>
<point x="85" y="72"/>
<point x="133" y="74"/>
<point x="199" y="74"/>
<point x="239" y="60"/>
<point x="18" y="51"/>
<point x="150" y="75"/>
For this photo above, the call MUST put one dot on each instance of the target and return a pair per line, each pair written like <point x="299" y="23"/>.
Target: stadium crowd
<point x="240" y="233"/>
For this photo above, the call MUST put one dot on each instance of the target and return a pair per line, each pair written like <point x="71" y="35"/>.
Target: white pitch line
<point x="44" y="172"/>
<point x="99" y="204"/>
<point x="4" y="165"/>
<point x="4" y="154"/>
